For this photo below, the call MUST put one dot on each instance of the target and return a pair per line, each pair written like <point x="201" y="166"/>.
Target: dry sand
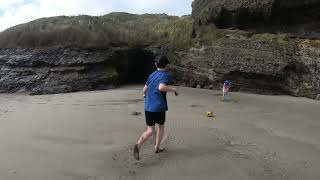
<point x="89" y="136"/>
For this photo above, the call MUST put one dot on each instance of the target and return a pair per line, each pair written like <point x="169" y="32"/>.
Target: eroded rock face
<point x="61" y="70"/>
<point x="259" y="67"/>
<point x="299" y="17"/>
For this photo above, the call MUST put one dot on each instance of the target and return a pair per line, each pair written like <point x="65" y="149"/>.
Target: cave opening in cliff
<point x="136" y="66"/>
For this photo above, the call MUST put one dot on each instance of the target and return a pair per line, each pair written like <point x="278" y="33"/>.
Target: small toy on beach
<point x="210" y="114"/>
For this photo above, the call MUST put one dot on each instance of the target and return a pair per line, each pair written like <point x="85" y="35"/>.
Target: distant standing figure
<point x="225" y="91"/>
<point x="155" y="106"/>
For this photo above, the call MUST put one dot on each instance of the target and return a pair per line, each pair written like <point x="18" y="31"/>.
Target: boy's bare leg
<point x="159" y="139"/>
<point x="227" y="97"/>
<point x="146" y="135"/>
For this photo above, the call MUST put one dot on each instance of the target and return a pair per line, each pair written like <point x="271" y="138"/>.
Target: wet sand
<point x="89" y="136"/>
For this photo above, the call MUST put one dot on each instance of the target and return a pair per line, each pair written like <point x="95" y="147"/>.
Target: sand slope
<point x="88" y="136"/>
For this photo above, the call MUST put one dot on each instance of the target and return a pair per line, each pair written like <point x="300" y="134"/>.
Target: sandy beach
<point x="89" y="136"/>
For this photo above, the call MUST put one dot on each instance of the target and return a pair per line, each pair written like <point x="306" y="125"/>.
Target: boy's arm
<point x="145" y="88"/>
<point x="165" y="88"/>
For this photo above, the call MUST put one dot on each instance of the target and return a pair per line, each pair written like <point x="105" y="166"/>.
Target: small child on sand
<point x="155" y="106"/>
<point x="225" y="91"/>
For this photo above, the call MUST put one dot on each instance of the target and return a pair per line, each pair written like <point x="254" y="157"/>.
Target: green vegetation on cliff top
<point x="124" y="29"/>
<point x="115" y="29"/>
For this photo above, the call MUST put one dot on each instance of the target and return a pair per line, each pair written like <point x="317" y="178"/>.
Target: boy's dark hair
<point x="162" y="61"/>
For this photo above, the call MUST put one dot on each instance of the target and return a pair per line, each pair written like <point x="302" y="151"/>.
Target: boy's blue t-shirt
<point x="156" y="100"/>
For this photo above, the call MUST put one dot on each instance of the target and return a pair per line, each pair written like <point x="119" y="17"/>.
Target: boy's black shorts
<point x="153" y="118"/>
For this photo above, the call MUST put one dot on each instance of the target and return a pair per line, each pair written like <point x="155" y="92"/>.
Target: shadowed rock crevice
<point x="139" y="64"/>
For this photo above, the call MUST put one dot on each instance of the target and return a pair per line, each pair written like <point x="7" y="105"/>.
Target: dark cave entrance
<point x="135" y="66"/>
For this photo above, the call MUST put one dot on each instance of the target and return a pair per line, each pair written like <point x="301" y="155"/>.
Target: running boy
<point x="155" y="106"/>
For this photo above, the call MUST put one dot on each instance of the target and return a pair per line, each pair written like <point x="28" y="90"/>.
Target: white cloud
<point x="21" y="11"/>
<point x="4" y="4"/>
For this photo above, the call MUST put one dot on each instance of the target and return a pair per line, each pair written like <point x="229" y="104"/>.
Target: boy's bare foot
<point x="136" y="152"/>
<point x="159" y="150"/>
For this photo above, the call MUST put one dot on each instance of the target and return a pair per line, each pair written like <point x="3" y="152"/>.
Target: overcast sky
<point x="13" y="12"/>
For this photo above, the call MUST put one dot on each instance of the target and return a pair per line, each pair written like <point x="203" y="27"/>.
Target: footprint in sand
<point x="41" y="103"/>
<point x="196" y="106"/>
<point x="136" y="113"/>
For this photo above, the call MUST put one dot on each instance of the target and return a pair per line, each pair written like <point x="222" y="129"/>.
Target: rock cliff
<point x="235" y="40"/>
<point x="61" y="70"/>
<point x="261" y="46"/>
<point x="259" y="67"/>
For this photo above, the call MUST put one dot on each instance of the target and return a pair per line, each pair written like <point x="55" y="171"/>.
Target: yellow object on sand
<point x="210" y="114"/>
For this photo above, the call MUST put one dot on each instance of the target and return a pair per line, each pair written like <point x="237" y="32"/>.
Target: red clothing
<point x="225" y="88"/>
